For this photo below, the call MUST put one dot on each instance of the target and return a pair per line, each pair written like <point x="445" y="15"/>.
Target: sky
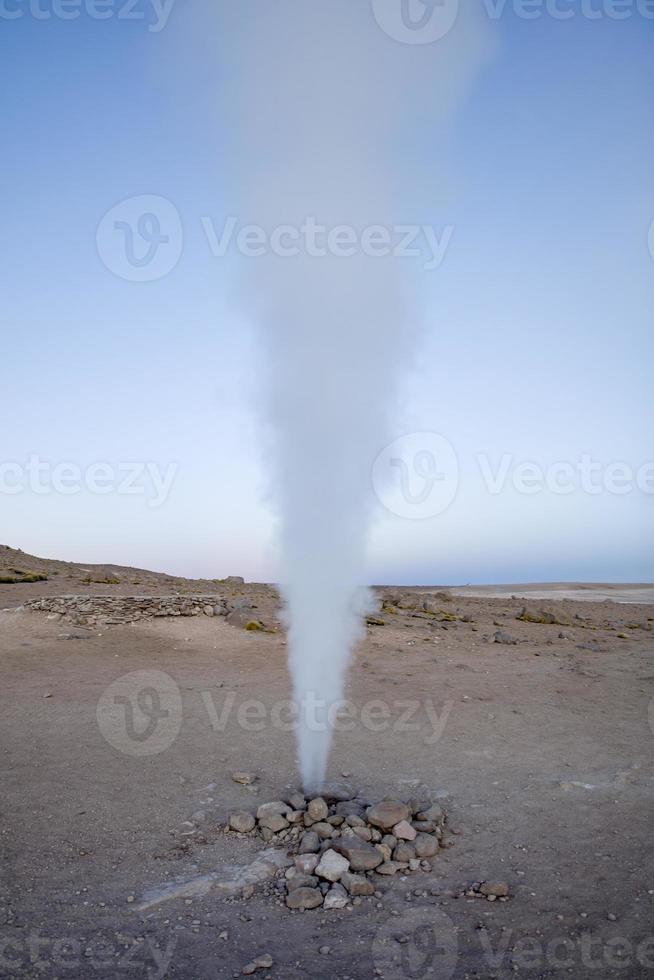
<point x="133" y="429"/>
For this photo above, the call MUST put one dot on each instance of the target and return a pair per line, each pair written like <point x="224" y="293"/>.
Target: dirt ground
<point x="540" y="751"/>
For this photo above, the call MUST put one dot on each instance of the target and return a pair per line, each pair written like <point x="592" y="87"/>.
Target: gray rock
<point x="309" y="842"/>
<point x="389" y="868"/>
<point x="301" y="881"/>
<point x="387" y="813"/>
<point x="332" y="865"/>
<point x="404" y="831"/>
<point x="337" y="792"/>
<point x="317" y="809"/>
<point x="499" y="889"/>
<point x="405" y="852"/>
<point x="425" y="845"/>
<point x="323" y="829"/>
<point x="350" y="808"/>
<point x="306" y="863"/>
<point x="244" y="778"/>
<point x="304" y="898"/>
<point x="357" y="884"/>
<point x="501" y="636"/>
<point x="362" y="856"/>
<point x="273" y="816"/>
<point x="297" y="801"/>
<point x="363" y="833"/>
<point x="336" y="898"/>
<point x="242" y="822"/>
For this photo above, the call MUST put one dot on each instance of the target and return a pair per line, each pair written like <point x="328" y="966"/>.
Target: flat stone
<point x="499" y="889"/>
<point x="306" y="863"/>
<point x="350" y="808"/>
<point x="336" y="898"/>
<point x="389" y="868"/>
<point x="404" y="831"/>
<point x="309" y="843"/>
<point x="387" y="813"/>
<point x="244" y="778"/>
<point x="434" y="813"/>
<point x="304" y="898"/>
<point x="362" y="856"/>
<point x="242" y="822"/>
<point x="357" y="885"/>
<point x="426" y="845"/>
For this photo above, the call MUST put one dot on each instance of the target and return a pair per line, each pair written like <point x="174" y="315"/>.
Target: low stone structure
<point x="85" y="610"/>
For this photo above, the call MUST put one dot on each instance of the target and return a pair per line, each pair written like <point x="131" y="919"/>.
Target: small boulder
<point x="425" y="845"/>
<point x="499" y="889"/>
<point x="242" y="822"/>
<point x="318" y="809"/>
<point x="357" y="885"/>
<point x="404" y="831"/>
<point x="387" y="813"/>
<point x="362" y="856"/>
<point x="306" y="863"/>
<point x="304" y="898"/>
<point x="332" y="865"/>
<point x="336" y="898"/>
<point x="309" y="843"/>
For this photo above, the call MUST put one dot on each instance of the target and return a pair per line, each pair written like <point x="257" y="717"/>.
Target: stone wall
<point x="84" y="610"/>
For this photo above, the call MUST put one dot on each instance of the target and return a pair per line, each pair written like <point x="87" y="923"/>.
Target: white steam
<point x="323" y="116"/>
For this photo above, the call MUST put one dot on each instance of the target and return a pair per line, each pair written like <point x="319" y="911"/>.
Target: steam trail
<point x="324" y="114"/>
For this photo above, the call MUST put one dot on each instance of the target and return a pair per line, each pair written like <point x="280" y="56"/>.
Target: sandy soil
<point x="541" y="752"/>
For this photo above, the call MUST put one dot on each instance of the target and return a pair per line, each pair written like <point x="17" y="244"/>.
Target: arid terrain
<point x="530" y="720"/>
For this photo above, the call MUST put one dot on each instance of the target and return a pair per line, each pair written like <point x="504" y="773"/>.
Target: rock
<point x="389" y="868"/>
<point x="261" y="963"/>
<point x="415" y="864"/>
<point x="425" y="845"/>
<point x="297" y="801"/>
<point x="323" y="829"/>
<point x="337" y="792"/>
<point x="387" y="813"/>
<point x="244" y="778"/>
<point x="354" y="821"/>
<point x="363" y="833"/>
<point x="332" y="865"/>
<point x="234" y="580"/>
<point x="317" y="809"/>
<point x="309" y="843"/>
<point x="350" y="808"/>
<point x="498" y="889"/>
<point x="304" y="898"/>
<point x="306" y="863"/>
<point x="242" y="822"/>
<point x="362" y="856"/>
<point x="501" y="636"/>
<point x="273" y="816"/>
<point x="336" y="898"/>
<point x="386" y="852"/>
<point x="324" y="950"/>
<point x="434" y="813"/>
<point x="301" y="881"/>
<point x="425" y="826"/>
<point x="405" y="852"/>
<point x="388" y="840"/>
<point x="357" y="884"/>
<point x="404" y="831"/>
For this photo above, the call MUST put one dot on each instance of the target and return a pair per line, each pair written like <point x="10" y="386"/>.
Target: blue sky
<point x="539" y="341"/>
